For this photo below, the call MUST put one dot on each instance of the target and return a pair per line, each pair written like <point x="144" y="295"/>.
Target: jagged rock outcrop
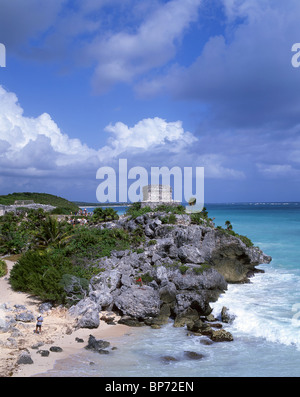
<point x="183" y="267"/>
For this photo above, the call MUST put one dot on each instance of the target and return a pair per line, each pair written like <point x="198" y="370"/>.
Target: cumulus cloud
<point x="29" y="143"/>
<point x="146" y="135"/>
<point x="37" y="143"/>
<point x="35" y="147"/>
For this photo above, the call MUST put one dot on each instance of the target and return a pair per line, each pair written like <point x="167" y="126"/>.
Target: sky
<point x="161" y="83"/>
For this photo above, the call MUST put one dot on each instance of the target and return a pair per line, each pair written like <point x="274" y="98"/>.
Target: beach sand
<point x="58" y="330"/>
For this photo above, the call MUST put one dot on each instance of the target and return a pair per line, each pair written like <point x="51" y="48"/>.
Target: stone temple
<point x="154" y="195"/>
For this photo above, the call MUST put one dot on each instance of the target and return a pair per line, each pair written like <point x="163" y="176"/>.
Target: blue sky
<point x="188" y="83"/>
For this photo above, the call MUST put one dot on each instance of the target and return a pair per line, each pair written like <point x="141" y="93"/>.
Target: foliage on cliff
<point x="40" y="198"/>
<point x="58" y="258"/>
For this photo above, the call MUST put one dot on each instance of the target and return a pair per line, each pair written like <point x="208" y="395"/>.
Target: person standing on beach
<point x="38" y="328"/>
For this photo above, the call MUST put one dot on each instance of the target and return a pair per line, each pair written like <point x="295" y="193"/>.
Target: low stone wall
<point x="153" y="205"/>
<point x="13" y="208"/>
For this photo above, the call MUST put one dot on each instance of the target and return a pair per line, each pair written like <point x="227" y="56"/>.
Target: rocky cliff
<point x="175" y="273"/>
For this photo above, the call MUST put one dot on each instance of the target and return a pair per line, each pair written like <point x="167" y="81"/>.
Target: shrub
<point x="202" y="267"/>
<point x="13" y="240"/>
<point x="135" y="209"/>
<point x="3" y="268"/>
<point x="177" y="209"/>
<point x="169" y="219"/>
<point x="50" y="276"/>
<point x="244" y="239"/>
<point x="40" y="274"/>
<point x="89" y="244"/>
<point x="104" y="215"/>
<point x="147" y="278"/>
<point x="76" y="288"/>
<point x="183" y="269"/>
<point x="199" y="218"/>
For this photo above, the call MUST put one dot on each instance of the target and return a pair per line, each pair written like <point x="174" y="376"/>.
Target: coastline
<point x="58" y="330"/>
<point x="70" y="347"/>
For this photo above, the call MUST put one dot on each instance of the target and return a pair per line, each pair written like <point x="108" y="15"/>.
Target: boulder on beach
<point x="24" y="358"/>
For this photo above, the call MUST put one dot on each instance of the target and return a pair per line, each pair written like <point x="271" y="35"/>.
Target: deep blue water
<point x="266" y="328"/>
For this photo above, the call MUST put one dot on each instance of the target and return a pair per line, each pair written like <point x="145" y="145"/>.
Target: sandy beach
<point x="58" y="330"/>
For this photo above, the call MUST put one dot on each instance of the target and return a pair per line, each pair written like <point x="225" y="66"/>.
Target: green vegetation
<point x="104" y="215"/>
<point x="135" y="209"/>
<point x="169" y="219"/>
<point x="183" y="268"/>
<point x="199" y="218"/>
<point x="201" y="268"/>
<point x="3" y="268"/>
<point x="40" y="274"/>
<point x="62" y="205"/>
<point x="38" y="229"/>
<point x="228" y="225"/>
<point x="56" y="259"/>
<point x="62" y="258"/>
<point x="52" y="277"/>
<point x="87" y="245"/>
<point x="13" y="236"/>
<point x="52" y="233"/>
<point x="145" y="277"/>
<point x="229" y="230"/>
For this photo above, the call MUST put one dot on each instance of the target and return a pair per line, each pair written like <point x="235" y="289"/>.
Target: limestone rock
<point x="24" y="358"/>
<point x="97" y="345"/>
<point x="221" y="335"/>
<point x="138" y="302"/>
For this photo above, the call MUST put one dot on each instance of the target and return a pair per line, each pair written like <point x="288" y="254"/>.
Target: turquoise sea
<point x="266" y="328"/>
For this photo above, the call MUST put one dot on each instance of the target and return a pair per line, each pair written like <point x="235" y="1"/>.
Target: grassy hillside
<point x="39" y="198"/>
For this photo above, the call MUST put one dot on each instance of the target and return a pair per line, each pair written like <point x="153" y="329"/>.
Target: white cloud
<point x="35" y="147"/>
<point x="147" y="134"/>
<point x="122" y="56"/>
<point x="37" y="143"/>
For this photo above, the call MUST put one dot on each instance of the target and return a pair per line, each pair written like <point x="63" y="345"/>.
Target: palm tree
<point x="52" y="233"/>
<point x="228" y="225"/>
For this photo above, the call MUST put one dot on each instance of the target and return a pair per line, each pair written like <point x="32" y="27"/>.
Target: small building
<point x="154" y="195"/>
<point x="2" y="210"/>
<point x="157" y="193"/>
